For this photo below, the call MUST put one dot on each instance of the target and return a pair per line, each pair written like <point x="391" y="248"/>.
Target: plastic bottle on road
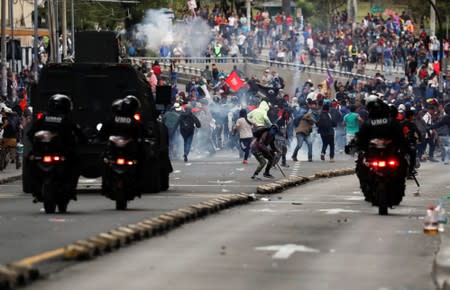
<point x="442" y="216"/>
<point x="430" y="224"/>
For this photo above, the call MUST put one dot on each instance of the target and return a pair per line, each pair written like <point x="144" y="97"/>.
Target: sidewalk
<point x="10" y="173"/>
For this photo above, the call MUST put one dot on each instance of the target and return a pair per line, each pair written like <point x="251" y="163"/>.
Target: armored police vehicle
<point x="93" y="82"/>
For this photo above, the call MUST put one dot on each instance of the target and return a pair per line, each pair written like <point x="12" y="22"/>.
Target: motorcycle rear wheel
<point x="382" y="198"/>
<point x="121" y="204"/>
<point x="48" y="198"/>
<point x="62" y="206"/>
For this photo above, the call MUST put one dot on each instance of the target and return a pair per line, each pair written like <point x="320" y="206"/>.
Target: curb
<point x="10" y="179"/>
<point x="25" y="271"/>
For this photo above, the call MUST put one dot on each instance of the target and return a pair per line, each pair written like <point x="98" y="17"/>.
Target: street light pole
<point x="11" y="26"/>
<point x="64" y="28"/>
<point x="3" y="43"/>
<point x="72" y="12"/>
<point x="35" y="42"/>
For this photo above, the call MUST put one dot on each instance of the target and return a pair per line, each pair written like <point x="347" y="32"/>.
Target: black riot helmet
<point x="60" y="104"/>
<point x="130" y="105"/>
<point x="116" y="106"/>
<point x="377" y="108"/>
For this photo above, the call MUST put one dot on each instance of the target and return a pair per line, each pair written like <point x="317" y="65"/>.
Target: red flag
<point x="234" y="81"/>
<point x="23" y="101"/>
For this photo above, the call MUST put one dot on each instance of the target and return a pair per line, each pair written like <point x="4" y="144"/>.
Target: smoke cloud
<point x="157" y="28"/>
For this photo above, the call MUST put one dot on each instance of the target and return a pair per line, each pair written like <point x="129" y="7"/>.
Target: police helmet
<point x="116" y="106"/>
<point x="59" y="103"/>
<point x="130" y="105"/>
<point x="378" y="109"/>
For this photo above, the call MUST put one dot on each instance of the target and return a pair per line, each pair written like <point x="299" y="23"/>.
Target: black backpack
<point x="186" y="124"/>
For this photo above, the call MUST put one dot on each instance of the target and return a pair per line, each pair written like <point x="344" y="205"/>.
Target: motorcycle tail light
<point x="137" y="117"/>
<point x="52" y="158"/>
<point x="39" y="115"/>
<point x="384" y="163"/>
<point x="393" y="163"/>
<point x="123" y="161"/>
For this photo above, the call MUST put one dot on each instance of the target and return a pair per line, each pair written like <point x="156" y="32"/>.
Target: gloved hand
<point x="349" y="149"/>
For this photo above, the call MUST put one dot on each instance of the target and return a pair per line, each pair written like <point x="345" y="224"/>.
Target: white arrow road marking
<point x="285" y="251"/>
<point x="222" y="181"/>
<point x="263" y="210"/>
<point x="337" y="210"/>
<point x="353" y="198"/>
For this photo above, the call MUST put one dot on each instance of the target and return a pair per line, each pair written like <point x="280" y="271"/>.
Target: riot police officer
<point x="380" y="124"/>
<point x="58" y="119"/>
<point x="125" y="120"/>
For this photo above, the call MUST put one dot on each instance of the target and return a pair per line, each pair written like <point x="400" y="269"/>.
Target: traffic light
<point x="17" y="49"/>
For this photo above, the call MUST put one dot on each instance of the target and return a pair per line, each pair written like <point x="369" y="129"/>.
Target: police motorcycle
<point x="123" y="152"/>
<point x="52" y="159"/>
<point x="381" y="165"/>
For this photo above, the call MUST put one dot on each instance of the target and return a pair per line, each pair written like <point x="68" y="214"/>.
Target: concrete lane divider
<point x="282" y="184"/>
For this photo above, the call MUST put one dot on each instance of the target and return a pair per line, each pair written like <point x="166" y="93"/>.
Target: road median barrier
<point x="335" y="172"/>
<point x="8" y="277"/>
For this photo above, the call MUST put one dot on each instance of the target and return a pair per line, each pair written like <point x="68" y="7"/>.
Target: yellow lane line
<point x="30" y="261"/>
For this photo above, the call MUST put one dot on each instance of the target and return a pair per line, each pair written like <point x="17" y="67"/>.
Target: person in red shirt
<point x="156" y="69"/>
<point x="423" y="73"/>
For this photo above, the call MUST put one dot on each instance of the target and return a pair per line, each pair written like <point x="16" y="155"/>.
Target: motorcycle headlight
<point x="119" y="141"/>
<point x="44" y="136"/>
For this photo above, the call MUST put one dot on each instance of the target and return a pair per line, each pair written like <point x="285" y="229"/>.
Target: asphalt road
<point x="27" y="230"/>
<point x="321" y="235"/>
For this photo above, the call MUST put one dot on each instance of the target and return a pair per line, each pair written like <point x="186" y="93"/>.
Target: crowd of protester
<point x="325" y="115"/>
<point x="390" y="41"/>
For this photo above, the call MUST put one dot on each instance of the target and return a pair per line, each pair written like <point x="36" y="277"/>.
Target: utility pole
<point x="433" y="18"/>
<point x="57" y="31"/>
<point x="35" y="41"/>
<point x="64" y="28"/>
<point x="53" y="38"/>
<point x="249" y="14"/>
<point x="72" y="12"/>
<point x="13" y="45"/>
<point x="3" y="43"/>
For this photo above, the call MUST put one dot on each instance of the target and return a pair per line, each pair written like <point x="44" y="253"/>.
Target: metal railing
<point x="184" y="65"/>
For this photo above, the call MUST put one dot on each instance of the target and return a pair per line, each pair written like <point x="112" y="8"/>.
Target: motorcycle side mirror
<point x="99" y="126"/>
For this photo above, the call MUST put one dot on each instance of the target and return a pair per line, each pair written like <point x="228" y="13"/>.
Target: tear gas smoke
<point x="157" y="29"/>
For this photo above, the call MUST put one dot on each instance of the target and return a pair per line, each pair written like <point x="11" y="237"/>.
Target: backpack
<point x="353" y="49"/>
<point x="186" y="124"/>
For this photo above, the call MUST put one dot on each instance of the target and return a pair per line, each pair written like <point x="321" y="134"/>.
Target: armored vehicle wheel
<point x="27" y="186"/>
<point x="164" y="181"/>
